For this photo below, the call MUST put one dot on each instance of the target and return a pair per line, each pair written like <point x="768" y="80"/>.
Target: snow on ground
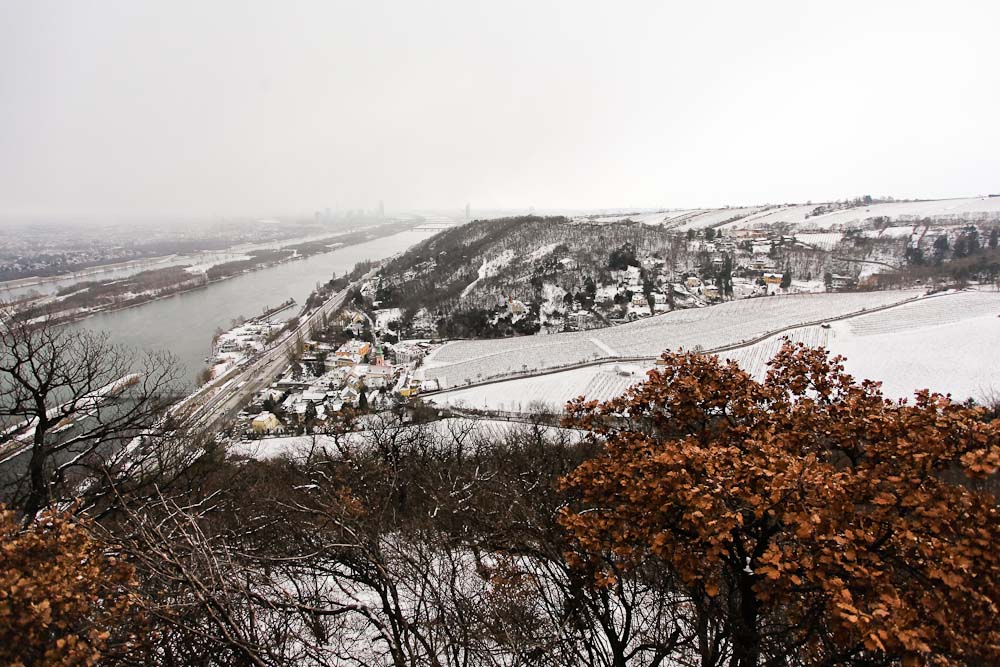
<point x="726" y="324"/>
<point x="445" y="433"/>
<point x="711" y="218"/>
<point x="947" y="343"/>
<point x="386" y="315"/>
<point x="552" y="304"/>
<point x="896" y="232"/>
<point x="822" y="240"/>
<point x="552" y="391"/>
<point x="204" y="263"/>
<point x="960" y="358"/>
<point x="489" y="268"/>
<point x="799" y="216"/>
<point x="944" y="210"/>
<point x="541" y="251"/>
<point x="779" y="214"/>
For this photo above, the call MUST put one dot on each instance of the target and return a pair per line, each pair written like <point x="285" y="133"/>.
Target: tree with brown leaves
<point x="63" y="599"/>
<point x="806" y="519"/>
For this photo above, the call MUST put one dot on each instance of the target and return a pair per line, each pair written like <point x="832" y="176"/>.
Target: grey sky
<point x="205" y="108"/>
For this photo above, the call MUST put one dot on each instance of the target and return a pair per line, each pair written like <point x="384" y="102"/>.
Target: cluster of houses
<point x="328" y="379"/>
<point x="231" y="347"/>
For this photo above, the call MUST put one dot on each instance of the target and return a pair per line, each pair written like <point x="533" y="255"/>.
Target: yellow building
<point x="266" y="422"/>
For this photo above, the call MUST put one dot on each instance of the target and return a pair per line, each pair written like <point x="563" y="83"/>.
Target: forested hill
<point x="467" y="277"/>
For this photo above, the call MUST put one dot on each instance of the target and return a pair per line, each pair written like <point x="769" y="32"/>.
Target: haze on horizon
<point x="119" y="108"/>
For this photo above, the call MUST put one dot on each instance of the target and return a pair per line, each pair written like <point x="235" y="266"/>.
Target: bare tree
<point x="71" y="400"/>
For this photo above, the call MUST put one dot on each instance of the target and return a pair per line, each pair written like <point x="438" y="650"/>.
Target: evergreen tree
<point x="786" y="278"/>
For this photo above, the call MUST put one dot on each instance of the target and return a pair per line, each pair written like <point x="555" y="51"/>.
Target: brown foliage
<point x="63" y="599"/>
<point x="809" y="519"/>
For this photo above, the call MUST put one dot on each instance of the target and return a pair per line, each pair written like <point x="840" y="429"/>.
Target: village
<point x="345" y="369"/>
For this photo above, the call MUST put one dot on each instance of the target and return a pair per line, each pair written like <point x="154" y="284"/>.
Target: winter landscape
<point x="464" y="334"/>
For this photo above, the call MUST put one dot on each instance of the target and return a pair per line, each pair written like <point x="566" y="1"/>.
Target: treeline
<point x="116" y="293"/>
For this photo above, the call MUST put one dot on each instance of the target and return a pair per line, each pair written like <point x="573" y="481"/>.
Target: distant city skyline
<point x="117" y="109"/>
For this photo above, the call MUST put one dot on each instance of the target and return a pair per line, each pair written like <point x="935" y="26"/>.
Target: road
<point x="223" y="398"/>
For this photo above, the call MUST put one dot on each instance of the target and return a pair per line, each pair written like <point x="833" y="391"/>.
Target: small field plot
<point x="946" y="343"/>
<point x="550" y="392"/>
<point x="960" y="357"/>
<point x="822" y="240"/>
<point x="938" y="309"/>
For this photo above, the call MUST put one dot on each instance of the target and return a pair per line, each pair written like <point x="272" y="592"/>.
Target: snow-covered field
<point x="943" y="210"/>
<point x="821" y="240"/>
<point x="598" y="383"/>
<point x="795" y="215"/>
<point x="730" y="323"/>
<point x="947" y="343"/>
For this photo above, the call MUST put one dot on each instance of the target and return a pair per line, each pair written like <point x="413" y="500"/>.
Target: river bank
<point x="299" y="251"/>
<point x="183" y="325"/>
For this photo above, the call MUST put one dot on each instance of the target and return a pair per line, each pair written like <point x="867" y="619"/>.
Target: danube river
<point x="185" y="323"/>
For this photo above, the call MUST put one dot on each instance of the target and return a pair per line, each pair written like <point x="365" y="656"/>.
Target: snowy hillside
<point x="799" y="216"/>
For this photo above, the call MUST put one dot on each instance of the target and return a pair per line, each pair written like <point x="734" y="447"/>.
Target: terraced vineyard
<point x="942" y="310"/>
<point x="945" y="342"/>
<point x="731" y="323"/>
<point x="754" y="358"/>
<point x="551" y="391"/>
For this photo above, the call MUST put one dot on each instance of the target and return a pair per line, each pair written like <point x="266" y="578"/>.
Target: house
<point x="354" y="322"/>
<point x="692" y="283"/>
<point x="354" y="347"/>
<point x="773" y="278"/>
<point x="271" y="394"/>
<point x="711" y="292"/>
<point x="405" y="353"/>
<point x="569" y="264"/>
<point x="772" y="282"/>
<point x="349" y="360"/>
<point x="378" y="377"/>
<point x="349" y="396"/>
<point x="266" y="422"/>
<point x="838" y="282"/>
<point x="314" y="395"/>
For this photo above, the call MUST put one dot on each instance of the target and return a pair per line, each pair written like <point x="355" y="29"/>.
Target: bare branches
<point x="71" y="399"/>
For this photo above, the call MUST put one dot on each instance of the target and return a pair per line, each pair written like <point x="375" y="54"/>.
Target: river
<point x="185" y="323"/>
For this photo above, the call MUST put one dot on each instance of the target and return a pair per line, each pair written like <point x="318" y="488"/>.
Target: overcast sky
<point x="262" y="108"/>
